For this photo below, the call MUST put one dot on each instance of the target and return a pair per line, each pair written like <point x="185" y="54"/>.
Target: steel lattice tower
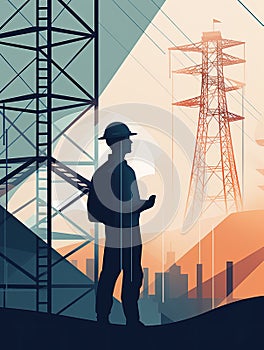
<point x="214" y="178"/>
<point x="54" y="84"/>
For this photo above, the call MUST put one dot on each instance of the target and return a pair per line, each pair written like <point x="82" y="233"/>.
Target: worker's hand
<point x="151" y="201"/>
<point x="148" y="203"/>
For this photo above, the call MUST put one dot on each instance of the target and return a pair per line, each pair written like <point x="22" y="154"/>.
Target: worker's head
<point x="117" y="137"/>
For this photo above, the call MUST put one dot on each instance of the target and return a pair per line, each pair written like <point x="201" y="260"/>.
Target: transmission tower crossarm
<point x="188" y="48"/>
<point x="229" y="43"/>
<point x="232" y="117"/>
<point x="194" y="70"/>
<point x="191" y="102"/>
<point x="261" y="171"/>
<point x="235" y="85"/>
<point x="229" y="60"/>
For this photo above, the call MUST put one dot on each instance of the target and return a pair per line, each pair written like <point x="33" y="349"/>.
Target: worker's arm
<point x="122" y="195"/>
<point x="135" y="204"/>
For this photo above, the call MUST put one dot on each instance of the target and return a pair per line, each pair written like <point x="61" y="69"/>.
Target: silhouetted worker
<point x="114" y="200"/>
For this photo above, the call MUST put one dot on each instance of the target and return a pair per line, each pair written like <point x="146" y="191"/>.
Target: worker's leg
<point x="132" y="281"/>
<point x="110" y="271"/>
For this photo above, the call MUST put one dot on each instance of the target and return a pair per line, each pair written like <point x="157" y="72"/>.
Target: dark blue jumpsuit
<point x="114" y="200"/>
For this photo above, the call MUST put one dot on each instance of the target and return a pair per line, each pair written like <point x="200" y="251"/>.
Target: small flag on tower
<point x="215" y="21"/>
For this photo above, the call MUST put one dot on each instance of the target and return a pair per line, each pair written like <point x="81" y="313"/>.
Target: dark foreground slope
<point x="235" y="326"/>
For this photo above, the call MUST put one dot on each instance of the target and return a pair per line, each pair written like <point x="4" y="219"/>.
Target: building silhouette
<point x="173" y="297"/>
<point x="146" y="282"/>
<point x="90" y="268"/>
<point x="148" y="305"/>
<point x="74" y="263"/>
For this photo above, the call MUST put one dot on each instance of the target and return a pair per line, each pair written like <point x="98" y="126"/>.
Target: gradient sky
<point x="143" y="79"/>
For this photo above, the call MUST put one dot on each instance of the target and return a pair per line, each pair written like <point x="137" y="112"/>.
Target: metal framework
<point x="214" y="178"/>
<point x="39" y="106"/>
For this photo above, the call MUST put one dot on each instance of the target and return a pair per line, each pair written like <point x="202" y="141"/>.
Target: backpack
<point x="94" y="206"/>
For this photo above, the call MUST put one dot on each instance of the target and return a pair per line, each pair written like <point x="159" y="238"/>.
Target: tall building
<point x="90" y="268"/>
<point x="178" y="282"/>
<point x="229" y="280"/>
<point x="171" y="284"/>
<point x="160" y="290"/>
<point x="199" y="281"/>
<point x="146" y="282"/>
<point x="74" y="263"/>
<point x="171" y="258"/>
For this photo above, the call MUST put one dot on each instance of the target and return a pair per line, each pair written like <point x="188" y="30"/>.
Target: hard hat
<point x="116" y="130"/>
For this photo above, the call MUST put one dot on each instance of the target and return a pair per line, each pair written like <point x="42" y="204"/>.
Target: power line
<point x="174" y="24"/>
<point x="125" y="49"/>
<point x="143" y="31"/>
<point x="145" y="69"/>
<point x="159" y="30"/>
<point x="252" y="14"/>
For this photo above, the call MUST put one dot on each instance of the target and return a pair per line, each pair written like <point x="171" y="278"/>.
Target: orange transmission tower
<point x="214" y="178"/>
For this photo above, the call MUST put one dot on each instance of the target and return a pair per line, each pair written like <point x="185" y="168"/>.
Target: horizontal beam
<point x="20" y="109"/>
<point x="80" y="163"/>
<point x="17" y="160"/>
<point x="73" y="285"/>
<point x="35" y="29"/>
<point x="18" y="46"/>
<point x="71" y="98"/>
<point x="66" y="107"/>
<point x="23" y="31"/>
<point x="44" y="95"/>
<point x="54" y="109"/>
<point x="54" y="44"/>
<point x="21" y="98"/>
<point x="64" y="42"/>
<point x="72" y="32"/>
<point x="57" y="286"/>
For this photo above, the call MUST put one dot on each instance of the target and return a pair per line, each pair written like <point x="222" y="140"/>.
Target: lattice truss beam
<point x="49" y="69"/>
<point x="214" y="178"/>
